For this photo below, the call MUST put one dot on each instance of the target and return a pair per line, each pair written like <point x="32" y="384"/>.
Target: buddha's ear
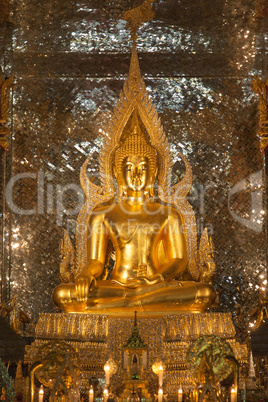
<point x="122" y="190"/>
<point x="151" y="185"/>
<point x="154" y="176"/>
<point x="151" y="191"/>
<point x="152" y="181"/>
<point x="120" y="184"/>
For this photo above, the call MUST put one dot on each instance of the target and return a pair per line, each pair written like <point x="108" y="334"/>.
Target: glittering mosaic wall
<point x="70" y="60"/>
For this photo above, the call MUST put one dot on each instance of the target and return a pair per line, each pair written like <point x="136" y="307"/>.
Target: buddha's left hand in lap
<point x="133" y="283"/>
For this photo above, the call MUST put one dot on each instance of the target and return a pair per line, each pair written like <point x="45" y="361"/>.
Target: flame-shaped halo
<point x="182" y="188"/>
<point x="94" y="195"/>
<point x="135" y="97"/>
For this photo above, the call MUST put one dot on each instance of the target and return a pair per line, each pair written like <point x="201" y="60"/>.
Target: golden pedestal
<point x="96" y="337"/>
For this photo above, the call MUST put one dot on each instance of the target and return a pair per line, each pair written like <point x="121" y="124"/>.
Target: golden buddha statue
<point x="150" y="225"/>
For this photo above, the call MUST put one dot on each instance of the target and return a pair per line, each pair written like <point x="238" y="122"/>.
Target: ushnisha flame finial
<point x="137" y="16"/>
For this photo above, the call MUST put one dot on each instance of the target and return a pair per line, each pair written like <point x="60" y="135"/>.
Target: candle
<point x="107" y="374"/>
<point x="160" y="395"/>
<point x="41" y="394"/>
<point x="161" y="371"/>
<point x="105" y="394"/>
<point x="91" y="394"/>
<point x="108" y="377"/>
<point x="233" y="394"/>
<point x="180" y="394"/>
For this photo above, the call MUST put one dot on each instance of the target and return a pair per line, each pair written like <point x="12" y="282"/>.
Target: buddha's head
<point x="135" y="165"/>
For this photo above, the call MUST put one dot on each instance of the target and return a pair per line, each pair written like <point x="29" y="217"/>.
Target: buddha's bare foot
<point x="83" y="286"/>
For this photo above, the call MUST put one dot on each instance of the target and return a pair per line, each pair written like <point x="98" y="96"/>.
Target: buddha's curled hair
<point x="135" y="145"/>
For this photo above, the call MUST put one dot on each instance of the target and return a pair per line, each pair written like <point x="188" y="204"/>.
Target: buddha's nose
<point x="137" y="172"/>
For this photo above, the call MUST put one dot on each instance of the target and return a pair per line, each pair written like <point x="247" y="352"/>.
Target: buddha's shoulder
<point x="156" y="207"/>
<point x="173" y="212"/>
<point x="167" y="210"/>
<point x="100" y="212"/>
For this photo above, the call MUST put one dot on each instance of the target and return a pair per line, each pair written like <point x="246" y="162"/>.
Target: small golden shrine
<point x="135" y="360"/>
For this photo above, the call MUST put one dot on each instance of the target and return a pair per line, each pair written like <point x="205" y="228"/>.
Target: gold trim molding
<point x="261" y="88"/>
<point x="82" y="327"/>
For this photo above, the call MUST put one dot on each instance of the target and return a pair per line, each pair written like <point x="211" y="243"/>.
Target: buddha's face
<point x="136" y="171"/>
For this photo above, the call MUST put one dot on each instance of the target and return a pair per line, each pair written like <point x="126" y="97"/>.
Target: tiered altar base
<point x="96" y="337"/>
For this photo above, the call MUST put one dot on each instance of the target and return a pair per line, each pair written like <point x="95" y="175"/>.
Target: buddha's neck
<point x="135" y="198"/>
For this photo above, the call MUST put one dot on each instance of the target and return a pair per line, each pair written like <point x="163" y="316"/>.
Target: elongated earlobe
<point x="151" y="191"/>
<point x="122" y="189"/>
<point x="151" y="186"/>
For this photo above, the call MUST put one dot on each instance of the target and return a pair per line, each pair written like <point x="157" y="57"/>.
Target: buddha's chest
<point x="138" y="229"/>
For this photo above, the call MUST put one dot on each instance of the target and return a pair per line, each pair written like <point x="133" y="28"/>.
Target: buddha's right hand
<point x="83" y="285"/>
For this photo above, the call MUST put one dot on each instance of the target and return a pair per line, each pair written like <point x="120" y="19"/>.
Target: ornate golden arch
<point x="135" y="97"/>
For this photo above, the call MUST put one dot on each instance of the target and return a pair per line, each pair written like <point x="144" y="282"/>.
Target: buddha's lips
<point x="136" y="182"/>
